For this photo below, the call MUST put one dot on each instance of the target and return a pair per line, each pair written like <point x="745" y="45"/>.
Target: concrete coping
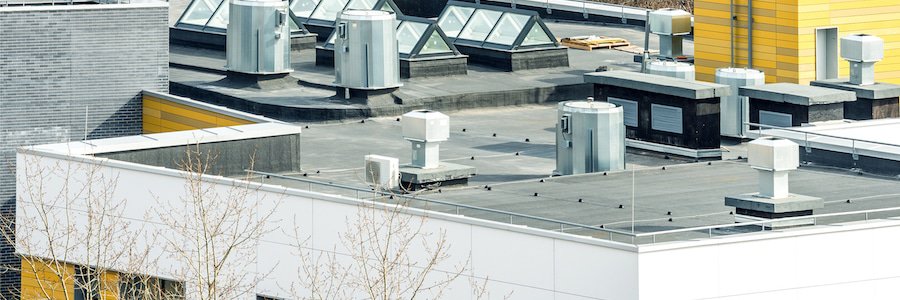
<point x="797" y="94"/>
<point x="683" y="88"/>
<point x="791" y="203"/>
<point x="873" y="91"/>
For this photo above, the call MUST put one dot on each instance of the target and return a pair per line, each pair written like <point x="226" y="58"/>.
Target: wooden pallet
<point x="589" y="43"/>
<point x="634" y="49"/>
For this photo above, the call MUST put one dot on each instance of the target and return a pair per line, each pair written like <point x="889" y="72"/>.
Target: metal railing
<point x="688" y="233"/>
<point x="803" y="138"/>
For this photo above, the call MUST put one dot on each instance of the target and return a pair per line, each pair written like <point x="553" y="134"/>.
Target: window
<point x="87" y="284"/>
<point x="435" y="44"/>
<point x="666" y="118"/>
<point x="480" y="25"/>
<point x="361" y="4"/>
<point x="220" y="19"/>
<point x="536" y="36"/>
<point x="328" y="10"/>
<point x="508" y="29"/>
<point x="139" y="287"/>
<point x="303" y="8"/>
<point x="454" y="18"/>
<point x="200" y="11"/>
<point x="408" y="35"/>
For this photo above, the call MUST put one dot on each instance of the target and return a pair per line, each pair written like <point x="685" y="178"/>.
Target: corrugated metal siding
<point x="67" y="73"/>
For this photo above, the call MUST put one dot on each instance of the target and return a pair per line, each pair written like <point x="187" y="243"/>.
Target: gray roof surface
<point x="796" y="94"/>
<point x="872" y="91"/>
<point x="659" y="84"/>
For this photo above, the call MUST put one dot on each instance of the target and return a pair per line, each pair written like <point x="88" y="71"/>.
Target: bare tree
<point x="68" y="213"/>
<point x="212" y="231"/>
<point x="385" y="253"/>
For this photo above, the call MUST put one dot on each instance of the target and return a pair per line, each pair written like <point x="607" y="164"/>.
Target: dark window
<point x="87" y="284"/>
<point x="138" y="287"/>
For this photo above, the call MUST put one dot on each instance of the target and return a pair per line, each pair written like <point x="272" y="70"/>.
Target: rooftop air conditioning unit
<point x="382" y="172"/>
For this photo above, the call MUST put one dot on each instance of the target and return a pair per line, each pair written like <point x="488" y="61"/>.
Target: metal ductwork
<point x="670" y="25"/>
<point x="258" y="37"/>
<point x="425" y="130"/>
<point x="590" y="137"/>
<point x="366" y="55"/>
<point x="862" y="51"/>
<point x="735" y="109"/>
<point x="774" y="158"/>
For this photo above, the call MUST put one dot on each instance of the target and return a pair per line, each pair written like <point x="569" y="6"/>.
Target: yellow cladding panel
<point x="43" y="280"/>
<point x="788" y="27"/>
<point x="161" y="115"/>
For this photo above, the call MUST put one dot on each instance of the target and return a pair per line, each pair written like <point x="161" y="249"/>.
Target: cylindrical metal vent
<point x="365" y="47"/>
<point x="735" y="109"/>
<point x="862" y="51"/>
<point x="259" y="37"/>
<point x="672" y="69"/>
<point x="590" y="137"/>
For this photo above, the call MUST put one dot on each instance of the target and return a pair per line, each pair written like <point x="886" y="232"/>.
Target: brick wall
<point x="67" y="72"/>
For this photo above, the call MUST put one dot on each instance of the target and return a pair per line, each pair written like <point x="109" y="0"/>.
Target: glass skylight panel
<point x="303" y="8"/>
<point x="454" y="19"/>
<point x="536" y="36"/>
<point x="220" y="18"/>
<point x="480" y="25"/>
<point x="200" y="11"/>
<point x="328" y="10"/>
<point x="293" y="25"/>
<point x="361" y="4"/>
<point x="408" y="35"/>
<point x="508" y="29"/>
<point x="387" y="7"/>
<point x="435" y="44"/>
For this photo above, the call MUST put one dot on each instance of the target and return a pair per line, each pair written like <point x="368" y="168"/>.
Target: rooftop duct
<point x="670" y="25"/>
<point x="425" y="129"/>
<point x="590" y="137"/>
<point x="366" y="55"/>
<point x="862" y="51"/>
<point x="773" y="158"/>
<point x="258" y="37"/>
<point x="734" y="108"/>
<point x="672" y="69"/>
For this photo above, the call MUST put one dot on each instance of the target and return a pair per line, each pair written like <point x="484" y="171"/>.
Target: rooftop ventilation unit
<point x="773" y="158"/>
<point x="425" y="129"/>
<point x="734" y="108"/>
<point x="670" y="25"/>
<point x="258" y="37"/>
<point x="590" y="137"/>
<point x="862" y="51"/>
<point x="366" y="55"/>
<point x="382" y="172"/>
<point x="671" y="69"/>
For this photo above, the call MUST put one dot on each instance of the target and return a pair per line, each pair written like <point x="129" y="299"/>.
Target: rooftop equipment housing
<point x="862" y="51"/>
<point x="259" y="38"/>
<point x="671" y="69"/>
<point x="670" y="25"/>
<point x="424" y="50"/>
<point x="425" y="129"/>
<point x="773" y="158"/>
<point x="320" y="16"/>
<point x="735" y="109"/>
<point x="590" y="137"/>
<point x="501" y="37"/>
<point x="382" y="172"/>
<point x="205" y="23"/>
<point x="366" y="50"/>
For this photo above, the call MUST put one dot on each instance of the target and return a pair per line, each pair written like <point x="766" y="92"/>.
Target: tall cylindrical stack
<point x="259" y="37"/>
<point x="735" y="109"/>
<point x="365" y="47"/>
<point x="590" y="137"/>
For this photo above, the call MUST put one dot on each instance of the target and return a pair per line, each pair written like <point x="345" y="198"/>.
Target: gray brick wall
<point x="71" y="72"/>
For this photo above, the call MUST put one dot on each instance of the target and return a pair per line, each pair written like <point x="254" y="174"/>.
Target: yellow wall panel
<point x="162" y="115"/>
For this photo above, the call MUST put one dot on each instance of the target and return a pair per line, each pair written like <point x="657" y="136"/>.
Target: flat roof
<point x="169" y="139"/>
<point x="796" y="94"/>
<point x="861" y="137"/>
<point x="659" y="84"/>
<point x="872" y="91"/>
